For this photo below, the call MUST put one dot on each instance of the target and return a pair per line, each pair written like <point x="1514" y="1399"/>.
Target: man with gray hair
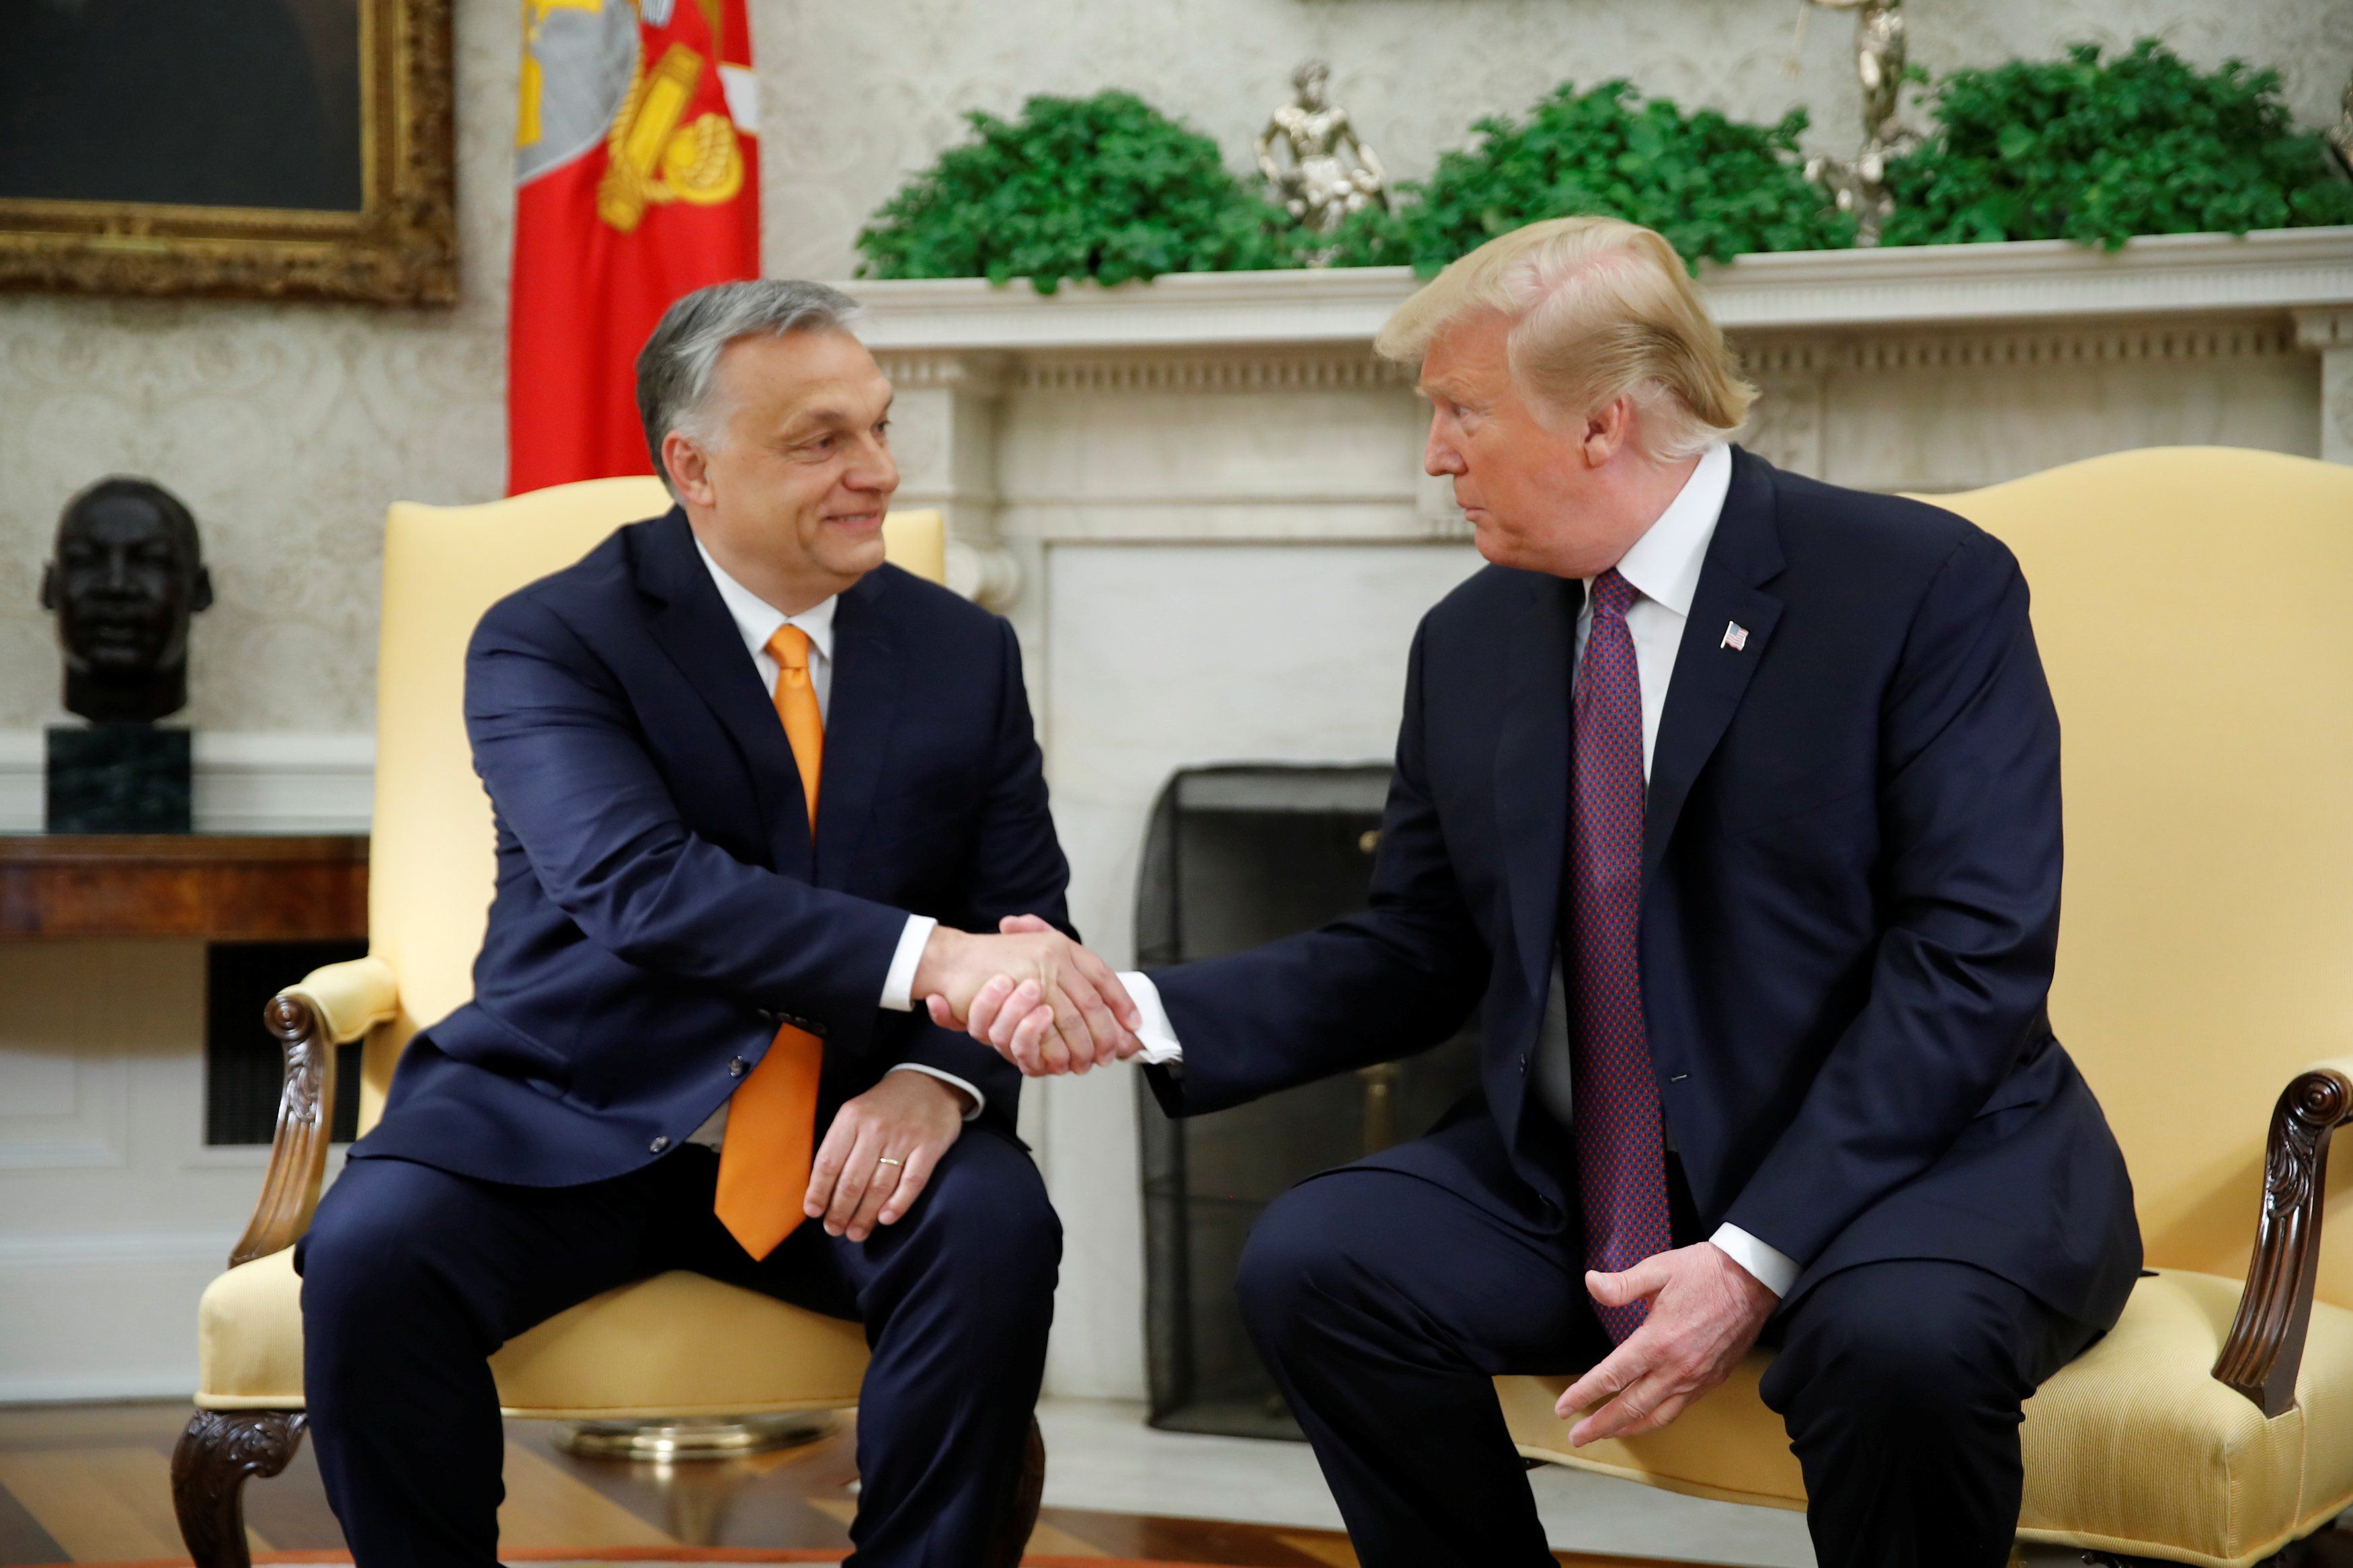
<point x="758" y="793"/>
<point x="1729" y="800"/>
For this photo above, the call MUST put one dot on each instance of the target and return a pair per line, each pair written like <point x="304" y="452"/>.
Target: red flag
<point x="636" y="180"/>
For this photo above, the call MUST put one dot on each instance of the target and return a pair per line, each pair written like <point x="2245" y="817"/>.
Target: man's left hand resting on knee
<point x="1705" y="1311"/>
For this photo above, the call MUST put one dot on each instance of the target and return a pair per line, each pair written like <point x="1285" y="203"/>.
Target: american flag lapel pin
<point x="1736" y="637"/>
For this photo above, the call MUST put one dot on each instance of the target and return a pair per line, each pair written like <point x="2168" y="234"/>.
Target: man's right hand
<point x="1082" y="1016"/>
<point x="1010" y="1019"/>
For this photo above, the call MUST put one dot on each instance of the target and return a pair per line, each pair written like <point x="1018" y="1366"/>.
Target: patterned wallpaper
<point x="289" y="427"/>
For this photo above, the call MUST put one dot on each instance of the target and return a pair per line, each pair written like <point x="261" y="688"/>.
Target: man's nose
<point x="875" y="470"/>
<point x="1440" y="458"/>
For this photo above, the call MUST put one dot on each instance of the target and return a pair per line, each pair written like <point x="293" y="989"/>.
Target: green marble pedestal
<point x="118" y="778"/>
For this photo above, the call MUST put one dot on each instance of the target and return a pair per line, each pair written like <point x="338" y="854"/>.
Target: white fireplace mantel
<point x="2271" y="271"/>
<point x="1201" y="500"/>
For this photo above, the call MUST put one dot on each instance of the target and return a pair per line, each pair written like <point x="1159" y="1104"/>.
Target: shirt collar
<point x="1663" y="565"/>
<point x="756" y="620"/>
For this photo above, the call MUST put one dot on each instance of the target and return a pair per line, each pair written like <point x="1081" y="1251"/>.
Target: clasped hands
<point x="1037" y="998"/>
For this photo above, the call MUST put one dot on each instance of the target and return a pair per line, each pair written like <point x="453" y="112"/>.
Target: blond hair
<point x="1601" y="308"/>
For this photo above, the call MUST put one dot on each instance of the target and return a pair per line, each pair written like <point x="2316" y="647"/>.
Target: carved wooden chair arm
<point x="330" y="1006"/>
<point x="2265" y="1347"/>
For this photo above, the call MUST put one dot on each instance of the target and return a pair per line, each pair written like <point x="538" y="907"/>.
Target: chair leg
<point x="1028" y="1492"/>
<point x="218" y="1452"/>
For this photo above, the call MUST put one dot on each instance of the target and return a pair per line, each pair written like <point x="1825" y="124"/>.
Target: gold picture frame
<point x="400" y="247"/>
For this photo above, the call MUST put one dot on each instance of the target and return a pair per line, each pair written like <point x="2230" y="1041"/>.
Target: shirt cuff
<point x="1771" y="1269"/>
<point x="1159" y="1040"/>
<point x="899" y="984"/>
<point x="971" y="1095"/>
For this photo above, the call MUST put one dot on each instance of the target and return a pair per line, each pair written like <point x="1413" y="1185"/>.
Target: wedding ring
<point x="886" y="1160"/>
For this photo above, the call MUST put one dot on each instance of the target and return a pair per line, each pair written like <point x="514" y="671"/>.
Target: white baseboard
<point x="98" y="1388"/>
<point x="21" y="1255"/>
<point x="103" y="1316"/>
<point x="247" y="782"/>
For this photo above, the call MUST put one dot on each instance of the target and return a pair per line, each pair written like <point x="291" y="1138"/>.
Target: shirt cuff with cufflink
<point x="1159" y="1039"/>
<point x="1774" y="1270"/>
<point x="898" y="982"/>
<point x="972" y="1096"/>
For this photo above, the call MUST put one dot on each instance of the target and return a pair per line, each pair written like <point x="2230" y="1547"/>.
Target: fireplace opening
<point x="1235" y="855"/>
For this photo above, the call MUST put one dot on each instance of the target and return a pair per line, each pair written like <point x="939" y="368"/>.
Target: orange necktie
<point x="763" y="1161"/>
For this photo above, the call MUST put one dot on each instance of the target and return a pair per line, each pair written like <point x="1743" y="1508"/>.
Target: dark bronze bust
<point x="128" y="576"/>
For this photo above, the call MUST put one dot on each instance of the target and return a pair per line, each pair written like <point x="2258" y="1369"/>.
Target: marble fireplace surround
<point x="1200" y="502"/>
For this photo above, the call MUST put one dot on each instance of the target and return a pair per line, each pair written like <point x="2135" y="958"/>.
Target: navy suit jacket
<point x="660" y="905"/>
<point x="1850" y="904"/>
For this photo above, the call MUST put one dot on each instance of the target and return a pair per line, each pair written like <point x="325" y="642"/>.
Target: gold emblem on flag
<point x="653" y="158"/>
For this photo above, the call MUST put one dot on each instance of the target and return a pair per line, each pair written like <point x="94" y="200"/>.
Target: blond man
<point x="1729" y="801"/>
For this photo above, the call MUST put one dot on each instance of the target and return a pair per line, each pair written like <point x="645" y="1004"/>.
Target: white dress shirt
<point x="1663" y="565"/>
<point x="757" y="621"/>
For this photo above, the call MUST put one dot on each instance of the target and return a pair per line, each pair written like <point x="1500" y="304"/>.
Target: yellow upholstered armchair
<point x="2195" y="610"/>
<point x="642" y="1351"/>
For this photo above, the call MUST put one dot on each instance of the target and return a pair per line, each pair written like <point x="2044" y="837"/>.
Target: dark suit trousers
<point x="412" y="1277"/>
<point x="1384" y="1301"/>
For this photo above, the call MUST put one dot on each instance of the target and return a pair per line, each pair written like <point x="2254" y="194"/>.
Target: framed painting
<point x="267" y="148"/>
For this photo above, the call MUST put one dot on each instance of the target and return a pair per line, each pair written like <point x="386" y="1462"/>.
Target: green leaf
<point x="2097" y="150"/>
<point x="1714" y="186"/>
<point x="1103" y="188"/>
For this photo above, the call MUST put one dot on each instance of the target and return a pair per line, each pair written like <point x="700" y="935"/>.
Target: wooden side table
<point x="206" y="887"/>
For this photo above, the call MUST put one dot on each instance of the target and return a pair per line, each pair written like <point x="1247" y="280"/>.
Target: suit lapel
<point x="694" y="627"/>
<point x="863" y="707"/>
<point x="1711" y="676"/>
<point x="1531" y="766"/>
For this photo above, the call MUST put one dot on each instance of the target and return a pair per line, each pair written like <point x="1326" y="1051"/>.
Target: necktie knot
<point x="1613" y="593"/>
<point x="790" y="648"/>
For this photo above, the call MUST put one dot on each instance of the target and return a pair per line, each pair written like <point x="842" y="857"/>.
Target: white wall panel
<point x="1166" y="657"/>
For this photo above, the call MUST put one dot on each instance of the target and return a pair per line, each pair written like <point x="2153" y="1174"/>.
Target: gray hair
<point x="679" y="363"/>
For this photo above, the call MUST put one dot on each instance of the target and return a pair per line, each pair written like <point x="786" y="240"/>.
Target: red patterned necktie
<point x="1622" y="1163"/>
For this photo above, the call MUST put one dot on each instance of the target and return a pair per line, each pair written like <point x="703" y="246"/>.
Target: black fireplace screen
<point x="1235" y="856"/>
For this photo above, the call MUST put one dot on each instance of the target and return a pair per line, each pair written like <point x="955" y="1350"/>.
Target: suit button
<point x="767" y="1015"/>
<point x="738" y="1067"/>
<point x="1523" y="1064"/>
<point x="658" y="1144"/>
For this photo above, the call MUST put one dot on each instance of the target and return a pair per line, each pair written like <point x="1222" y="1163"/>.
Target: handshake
<point x="1030" y="994"/>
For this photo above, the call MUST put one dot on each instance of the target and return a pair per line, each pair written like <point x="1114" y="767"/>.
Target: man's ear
<point x="49" y="586"/>
<point x="200" y="591"/>
<point x="689" y="470"/>
<point x="1606" y="430"/>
